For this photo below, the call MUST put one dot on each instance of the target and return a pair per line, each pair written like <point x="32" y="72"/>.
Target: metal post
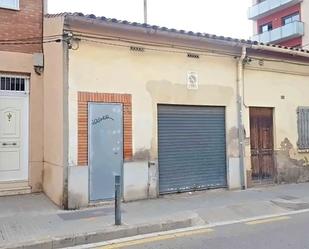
<point x="117" y="200"/>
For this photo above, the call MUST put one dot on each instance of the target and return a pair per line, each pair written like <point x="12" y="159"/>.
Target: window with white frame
<point x="303" y="128"/>
<point x="13" y="83"/>
<point x="295" y="17"/>
<point x="266" y="27"/>
<point x="9" y="4"/>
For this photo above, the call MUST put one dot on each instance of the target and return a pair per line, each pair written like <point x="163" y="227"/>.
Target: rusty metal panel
<point x="192" y="148"/>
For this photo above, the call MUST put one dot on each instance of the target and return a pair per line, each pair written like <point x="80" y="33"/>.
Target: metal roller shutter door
<point x="192" y="148"/>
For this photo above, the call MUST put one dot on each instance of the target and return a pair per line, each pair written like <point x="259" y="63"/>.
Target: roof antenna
<point x="145" y="11"/>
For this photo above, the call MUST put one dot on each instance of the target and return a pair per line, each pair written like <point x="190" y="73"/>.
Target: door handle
<point x="8" y="144"/>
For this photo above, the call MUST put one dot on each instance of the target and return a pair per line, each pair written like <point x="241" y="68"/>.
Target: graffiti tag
<point x="100" y="119"/>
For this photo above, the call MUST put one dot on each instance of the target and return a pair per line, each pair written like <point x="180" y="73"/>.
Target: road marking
<point x="257" y="222"/>
<point x="155" y="239"/>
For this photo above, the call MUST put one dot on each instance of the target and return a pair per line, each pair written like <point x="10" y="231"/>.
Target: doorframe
<point x="89" y="148"/>
<point x="273" y="140"/>
<point x="26" y="129"/>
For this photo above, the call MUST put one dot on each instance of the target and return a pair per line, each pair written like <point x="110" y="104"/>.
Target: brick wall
<point x="295" y="42"/>
<point x="83" y="99"/>
<point x="276" y="18"/>
<point x="22" y="24"/>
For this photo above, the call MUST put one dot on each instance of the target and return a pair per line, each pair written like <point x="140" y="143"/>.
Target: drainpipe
<point x="66" y="46"/>
<point x="240" y="82"/>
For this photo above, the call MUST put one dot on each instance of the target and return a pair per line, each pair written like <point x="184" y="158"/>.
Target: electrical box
<point x="38" y="60"/>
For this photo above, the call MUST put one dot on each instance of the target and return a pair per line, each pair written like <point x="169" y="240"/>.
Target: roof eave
<point x="101" y="24"/>
<point x="75" y="22"/>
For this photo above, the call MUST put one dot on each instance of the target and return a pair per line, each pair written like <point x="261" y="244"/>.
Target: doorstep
<point x="14" y="188"/>
<point x="263" y="183"/>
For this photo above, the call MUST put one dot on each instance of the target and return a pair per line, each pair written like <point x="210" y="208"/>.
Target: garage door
<point x="192" y="151"/>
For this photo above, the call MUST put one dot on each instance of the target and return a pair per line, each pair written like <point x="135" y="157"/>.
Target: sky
<point x="220" y="17"/>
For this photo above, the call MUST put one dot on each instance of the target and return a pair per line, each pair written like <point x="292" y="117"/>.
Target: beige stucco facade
<point x="54" y="115"/>
<point x="13" y="63"/>
<point x="164" y="82"/>
<point x="158" y="75"/>
<point x="283" y="87"/>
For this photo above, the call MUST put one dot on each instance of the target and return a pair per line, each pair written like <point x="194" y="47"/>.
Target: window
<point x="291" y="18"/>
<point x="9" y="4"/>
<point x="13" y="84"/>
<point x="266" y="27"/>
<point x="303" y="128"/>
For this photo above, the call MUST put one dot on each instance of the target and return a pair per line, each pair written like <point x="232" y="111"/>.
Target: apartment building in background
<point x="282" y="22"/>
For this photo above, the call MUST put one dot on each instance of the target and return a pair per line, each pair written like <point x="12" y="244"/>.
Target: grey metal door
<point x="105" y="122"/>
<point x="192" y="148"/>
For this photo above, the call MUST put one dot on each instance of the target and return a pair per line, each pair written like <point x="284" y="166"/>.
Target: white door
<point x="13" y="138"/>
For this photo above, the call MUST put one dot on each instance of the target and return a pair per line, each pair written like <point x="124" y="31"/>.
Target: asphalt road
<point x="276" y="233"/>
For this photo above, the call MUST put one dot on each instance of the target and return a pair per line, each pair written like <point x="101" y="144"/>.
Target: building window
<point x="9" y="4"/>
<point x="303" y="128"/>
<point x="266" y="27"/>
<point x="291" y="18"/>
<point x="13" y="84"/>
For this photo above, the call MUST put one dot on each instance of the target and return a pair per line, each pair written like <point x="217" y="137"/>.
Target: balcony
<point x="286" y="32"/>
<point x="269" y="7"/>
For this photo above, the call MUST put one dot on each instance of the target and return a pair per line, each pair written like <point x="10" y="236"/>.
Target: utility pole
<point x="145" y="11"/>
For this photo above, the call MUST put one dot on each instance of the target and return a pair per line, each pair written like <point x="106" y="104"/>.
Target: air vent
<point x="137" y="49"/>
<point x="194" y="56"/>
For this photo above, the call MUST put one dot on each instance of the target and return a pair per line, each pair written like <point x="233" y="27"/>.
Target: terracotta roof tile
<point x="155" y="27"/>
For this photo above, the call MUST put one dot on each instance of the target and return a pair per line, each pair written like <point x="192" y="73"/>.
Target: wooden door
<point x="262" y="145"/>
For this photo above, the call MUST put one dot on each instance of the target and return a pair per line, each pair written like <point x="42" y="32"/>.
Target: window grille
<point x="13" y="84"/>
<point x="303" y="128"/>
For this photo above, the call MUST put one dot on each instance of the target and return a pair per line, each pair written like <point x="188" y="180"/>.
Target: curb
<point x="107" y="234"/>
<point x="188" y="229"/>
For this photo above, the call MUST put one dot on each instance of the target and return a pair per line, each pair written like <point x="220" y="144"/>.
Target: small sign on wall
<point x="192" y="80"/>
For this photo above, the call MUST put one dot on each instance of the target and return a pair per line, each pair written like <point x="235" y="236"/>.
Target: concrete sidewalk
<point x="32" y="221"/>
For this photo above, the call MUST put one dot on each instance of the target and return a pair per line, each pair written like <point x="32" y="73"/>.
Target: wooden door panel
<point x="255" y="163"/>
<point x="261" y="133"/>
<point x="266" y="165"/>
